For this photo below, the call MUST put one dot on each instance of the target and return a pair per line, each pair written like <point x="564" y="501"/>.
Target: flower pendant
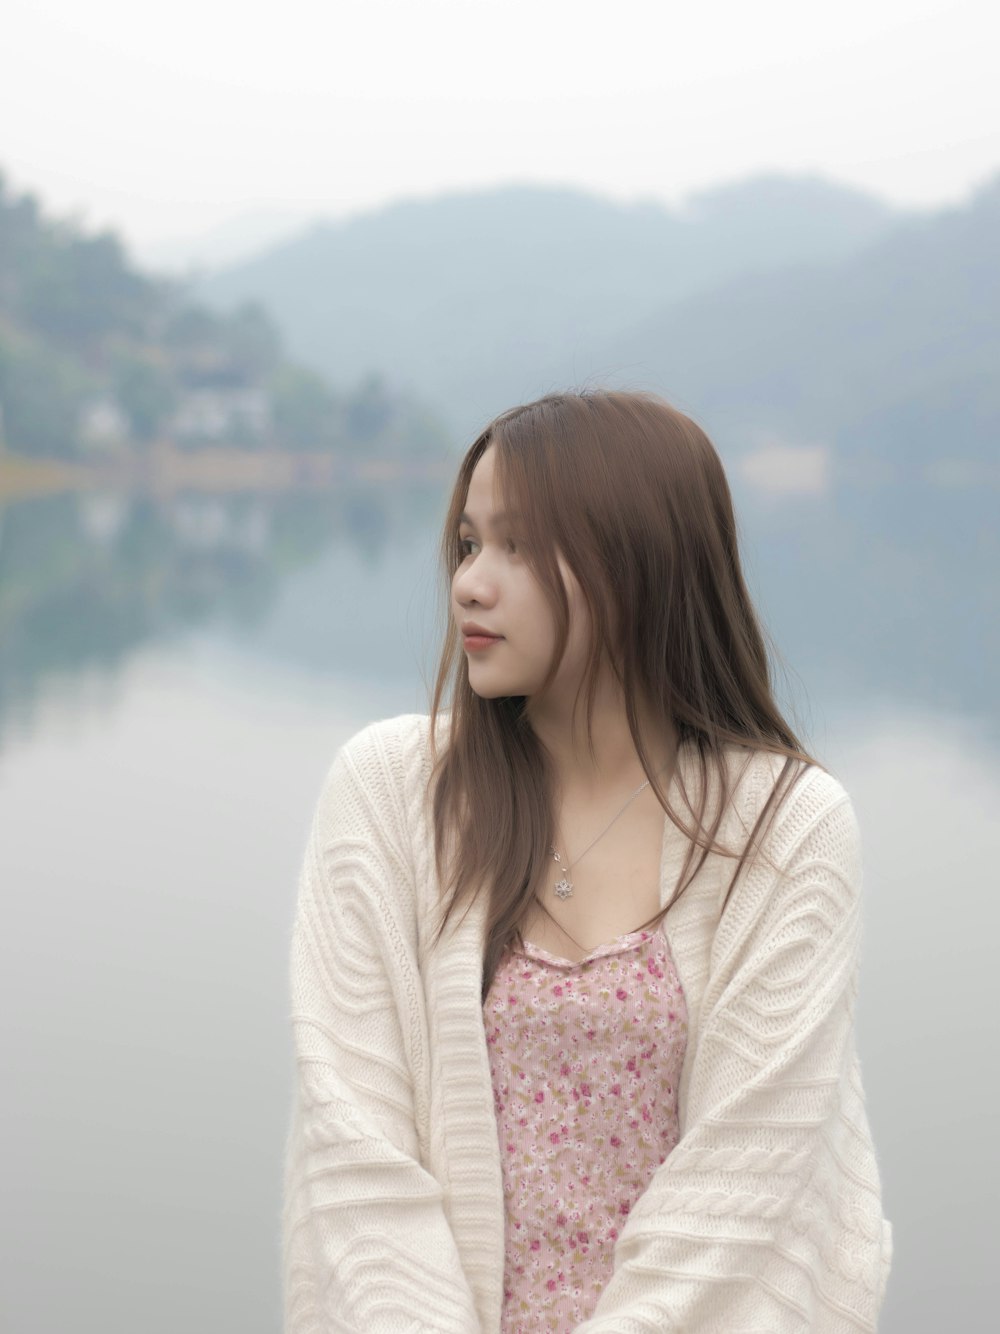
<point x="563" y="888"/>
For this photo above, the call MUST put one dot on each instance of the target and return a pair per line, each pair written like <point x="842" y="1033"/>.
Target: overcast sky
<point x="168" y="121"/>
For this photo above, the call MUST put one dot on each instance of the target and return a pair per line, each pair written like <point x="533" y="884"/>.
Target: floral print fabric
<point x="585" y="1059"/>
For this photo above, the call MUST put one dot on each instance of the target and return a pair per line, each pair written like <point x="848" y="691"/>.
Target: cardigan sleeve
<point x="367" y="1247"/>
<point x="766" y="1218"/>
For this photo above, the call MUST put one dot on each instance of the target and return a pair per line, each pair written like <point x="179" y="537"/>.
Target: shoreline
<point x="164" y="468"/>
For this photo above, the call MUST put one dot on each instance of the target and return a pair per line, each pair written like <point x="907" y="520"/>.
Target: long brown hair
<point x="633" y="495"/>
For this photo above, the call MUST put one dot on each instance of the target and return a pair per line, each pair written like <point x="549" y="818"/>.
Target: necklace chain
<point x="564" y="887"/>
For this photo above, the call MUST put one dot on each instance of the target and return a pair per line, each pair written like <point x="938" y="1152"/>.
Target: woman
<point x="575" y="960"/>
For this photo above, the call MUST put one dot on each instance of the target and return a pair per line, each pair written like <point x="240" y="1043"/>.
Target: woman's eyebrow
<point x="492" y="520"/>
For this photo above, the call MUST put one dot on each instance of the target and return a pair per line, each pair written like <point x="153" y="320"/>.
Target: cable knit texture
<point x="765" y="1218"/>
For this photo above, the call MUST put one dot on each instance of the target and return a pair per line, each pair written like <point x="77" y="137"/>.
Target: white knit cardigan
<point x="766" y="1218"/>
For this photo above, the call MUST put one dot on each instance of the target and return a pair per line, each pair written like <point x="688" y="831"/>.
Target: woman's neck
<point x="614" y="763"/>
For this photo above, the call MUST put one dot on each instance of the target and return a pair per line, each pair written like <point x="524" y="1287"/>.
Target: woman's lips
<point x="475" y="643"/>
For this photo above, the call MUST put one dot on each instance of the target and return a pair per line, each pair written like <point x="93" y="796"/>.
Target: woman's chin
<point x="496" y="687"/>
<point x="486" y="691"/>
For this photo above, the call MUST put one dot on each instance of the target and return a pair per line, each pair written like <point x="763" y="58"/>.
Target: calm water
<point x="175" y="683"/>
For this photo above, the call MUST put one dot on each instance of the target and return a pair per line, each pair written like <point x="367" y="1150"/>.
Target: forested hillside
<point x="483" y="299"/>
<point x="98" y="359"/>
<point x="889" y="356"/>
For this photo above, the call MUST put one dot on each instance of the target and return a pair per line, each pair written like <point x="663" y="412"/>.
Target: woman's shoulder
<point x="386" y="763"/>
<point x="804" y="847"/>
<point x="382" y="746"/>
<point x="370" y="817"/>
<point x="803" y="793"/>
<point x="387" y="737"/>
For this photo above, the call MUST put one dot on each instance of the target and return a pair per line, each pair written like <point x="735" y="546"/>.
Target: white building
<point x="222" y="415"/>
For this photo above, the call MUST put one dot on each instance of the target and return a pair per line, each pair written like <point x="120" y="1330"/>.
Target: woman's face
<point x="495" y="589"/>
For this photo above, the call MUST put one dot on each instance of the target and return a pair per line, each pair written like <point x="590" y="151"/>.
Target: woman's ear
<point x="613" y="627"/>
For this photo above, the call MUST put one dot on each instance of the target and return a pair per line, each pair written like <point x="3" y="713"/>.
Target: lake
<point x="176" y="678"/>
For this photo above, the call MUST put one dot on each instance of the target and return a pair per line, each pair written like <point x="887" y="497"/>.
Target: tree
<point x="306" y="413"/>
<point x="145" y="389"/>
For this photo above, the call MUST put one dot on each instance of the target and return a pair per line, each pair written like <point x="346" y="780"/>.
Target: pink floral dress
<point x="585" y="1059"/>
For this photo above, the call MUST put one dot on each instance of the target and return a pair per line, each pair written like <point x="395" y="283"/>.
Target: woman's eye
<point x="465" y="545"/>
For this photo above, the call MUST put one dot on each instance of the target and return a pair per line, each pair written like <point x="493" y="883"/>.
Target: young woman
<point x="575" y="959"/>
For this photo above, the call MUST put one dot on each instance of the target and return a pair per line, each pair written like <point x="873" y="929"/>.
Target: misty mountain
<point x="781" y="313"/>
<point x="484" y="299"/>
<point x="890" y="353"/>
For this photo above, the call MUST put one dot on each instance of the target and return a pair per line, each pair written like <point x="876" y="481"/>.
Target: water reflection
<point x="176" y="678"/>
<point x="869" y="591"/>
<point x="150" y="857"/>
<point x="87" y="580"/>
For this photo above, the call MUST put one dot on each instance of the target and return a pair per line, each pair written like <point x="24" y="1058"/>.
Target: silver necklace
<point x="564" y="886"/>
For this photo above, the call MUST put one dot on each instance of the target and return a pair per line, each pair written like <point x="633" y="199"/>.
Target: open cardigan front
<point x="766" y="1218"/>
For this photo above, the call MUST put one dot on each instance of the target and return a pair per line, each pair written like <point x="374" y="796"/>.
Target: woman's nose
<point x="474" y="584"/>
